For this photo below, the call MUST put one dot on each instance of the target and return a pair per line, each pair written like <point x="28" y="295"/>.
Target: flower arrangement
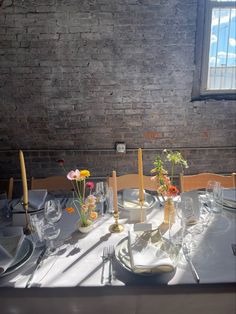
<point x="84" y="202"/>
<point x="166" y="185"/>
<point x="85" y="206"/>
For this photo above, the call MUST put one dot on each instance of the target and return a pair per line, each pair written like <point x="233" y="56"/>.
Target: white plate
<point x="229" y="195"/>
<point x="123" y="257"/>
<point x="129" y="199"/>
<point x="22" y="257"/>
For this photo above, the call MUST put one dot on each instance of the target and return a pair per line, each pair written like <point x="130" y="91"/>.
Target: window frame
<point x="202" y="46"/>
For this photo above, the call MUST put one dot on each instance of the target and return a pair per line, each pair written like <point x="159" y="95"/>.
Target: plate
<point x="229" y="195"/>
<point x="128" y="199"/>
<point x="22" y="257"/>
<point x="123" y="257"/>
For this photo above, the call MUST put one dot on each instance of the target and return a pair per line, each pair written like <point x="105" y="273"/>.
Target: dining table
<point x="78" y="262"/>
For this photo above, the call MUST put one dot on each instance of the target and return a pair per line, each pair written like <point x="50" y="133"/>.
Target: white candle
<point x="115" y="192"/>
<point x="24" y="179"/>
<point x="140" y="172"/>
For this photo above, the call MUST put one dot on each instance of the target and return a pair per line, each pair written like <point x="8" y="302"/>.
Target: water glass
<point x="50" y="232"/>
<point x="214" y="194"/>
<point x="5" y="211"/>
<point x="37" y="223"/>
<point x="100" y="192"/>
<point x="52" y="211"/>
<point x="176" y="230"/>
<point x="110" y="200"/>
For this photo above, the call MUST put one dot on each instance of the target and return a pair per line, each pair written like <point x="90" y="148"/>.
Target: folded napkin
<point x="11" y="239"/>
<point x="146" y="257"/>
<point x="36" y="201"/>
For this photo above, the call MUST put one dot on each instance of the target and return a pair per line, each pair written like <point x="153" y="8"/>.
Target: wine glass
<point x="185" y="211"/>
<point x="50" y="233"/>
<point x="214" y="196"/>
<point x="101" y="195"/>
<point x="53" y="211"/>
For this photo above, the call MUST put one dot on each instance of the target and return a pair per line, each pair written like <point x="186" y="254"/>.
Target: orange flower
<point x="70" y="210"/>
<point x="172" y="190"/>
<point x="93" y="215"/>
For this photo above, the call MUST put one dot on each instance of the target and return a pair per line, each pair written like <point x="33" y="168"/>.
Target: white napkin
<point x="147" y="258"/>
<point x="11" y="239"/>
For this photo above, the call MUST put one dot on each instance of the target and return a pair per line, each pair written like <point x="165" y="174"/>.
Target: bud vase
<point x="85" y="229"/>
<point x="169" y="209"/>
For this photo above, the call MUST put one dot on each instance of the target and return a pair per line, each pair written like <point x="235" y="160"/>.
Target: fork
<point x="111" y="251"/>
<point x="104" y="260"/>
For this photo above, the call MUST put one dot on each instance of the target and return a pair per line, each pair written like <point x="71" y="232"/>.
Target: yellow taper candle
<point x="24" y="179"/>
<point x="140" y="172"/>
<point x="115" y="192"/>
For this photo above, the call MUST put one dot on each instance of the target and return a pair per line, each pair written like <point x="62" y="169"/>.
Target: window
<point x="216" y="50"/>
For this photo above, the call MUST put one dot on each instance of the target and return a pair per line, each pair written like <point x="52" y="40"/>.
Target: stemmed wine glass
<point x="101" y="195"/>
<point x="50" y="232"/>
<point x="185" y="211"/>
<point x="52" y="211"/>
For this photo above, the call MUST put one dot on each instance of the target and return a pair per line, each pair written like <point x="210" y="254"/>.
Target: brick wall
<point x="77" y="76"/>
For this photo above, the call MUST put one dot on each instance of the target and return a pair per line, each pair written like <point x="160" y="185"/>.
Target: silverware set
<point x="107" y="257"/>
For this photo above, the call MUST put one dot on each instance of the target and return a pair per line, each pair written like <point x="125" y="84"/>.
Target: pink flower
<point x="90" y="185"/>
<point x="91" y="199"/>
<point x="73" y="175"/>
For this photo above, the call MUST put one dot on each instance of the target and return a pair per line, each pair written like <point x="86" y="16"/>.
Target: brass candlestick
<point x="116" y="227"/>
<point x="27" y="228"/>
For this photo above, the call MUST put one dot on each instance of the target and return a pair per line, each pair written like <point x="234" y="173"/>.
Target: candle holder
<point x="116" y="227"/>
<point x="28" y="228"/>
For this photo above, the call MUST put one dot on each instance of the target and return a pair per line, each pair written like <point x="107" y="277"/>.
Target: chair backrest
<point x="10" y="188"/>
<point x="53" y="183"/>
<point x="199" y="181"/>
<point x="131" y="181"/>
<point x="7" y="186"/>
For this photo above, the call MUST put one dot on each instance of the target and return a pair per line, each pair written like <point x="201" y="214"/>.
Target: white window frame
<point x="203" y="34"/>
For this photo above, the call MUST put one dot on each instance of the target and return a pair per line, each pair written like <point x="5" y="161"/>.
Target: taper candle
<point x="115" y="192"/>
<point x="24" y="179"/>
<point x="140" y="172"/>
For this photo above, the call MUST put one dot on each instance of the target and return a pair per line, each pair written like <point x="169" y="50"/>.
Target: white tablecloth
<point x="79" y="260"/>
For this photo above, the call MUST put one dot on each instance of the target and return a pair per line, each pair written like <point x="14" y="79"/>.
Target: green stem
<point x="172" y="173"/>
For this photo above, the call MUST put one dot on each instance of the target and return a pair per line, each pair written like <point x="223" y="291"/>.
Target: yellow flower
<point x="84" y="173"/>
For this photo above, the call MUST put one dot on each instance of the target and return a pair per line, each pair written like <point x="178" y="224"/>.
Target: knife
<point x="192" y="267"/>
<point x="37" y="266"/>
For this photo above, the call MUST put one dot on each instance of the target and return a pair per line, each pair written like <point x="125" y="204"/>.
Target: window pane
<point x="222" y="52"/>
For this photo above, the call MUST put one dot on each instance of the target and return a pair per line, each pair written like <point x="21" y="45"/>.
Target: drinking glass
<point x="185" y="211"/>
<point x="50" y="232"/>
<point x="110" y="200"/>
<point x="101" y="196"/>
<point x="38" y="222"/>
<point x="53" y="211"/>
<point x="214" y="194"/>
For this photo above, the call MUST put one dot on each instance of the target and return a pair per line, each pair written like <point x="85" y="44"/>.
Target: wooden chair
<point x="8" y="187"/>
<point x="199" y="181"/>
<point x="53" y="183"/>
<point x="131" y="181"/>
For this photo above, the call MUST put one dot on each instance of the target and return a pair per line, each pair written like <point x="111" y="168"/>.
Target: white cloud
<point x="223" y="19"/>
<point x="223" y="54"/>
<point x="213" y="39"/>
<point x="232" y="42"/>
